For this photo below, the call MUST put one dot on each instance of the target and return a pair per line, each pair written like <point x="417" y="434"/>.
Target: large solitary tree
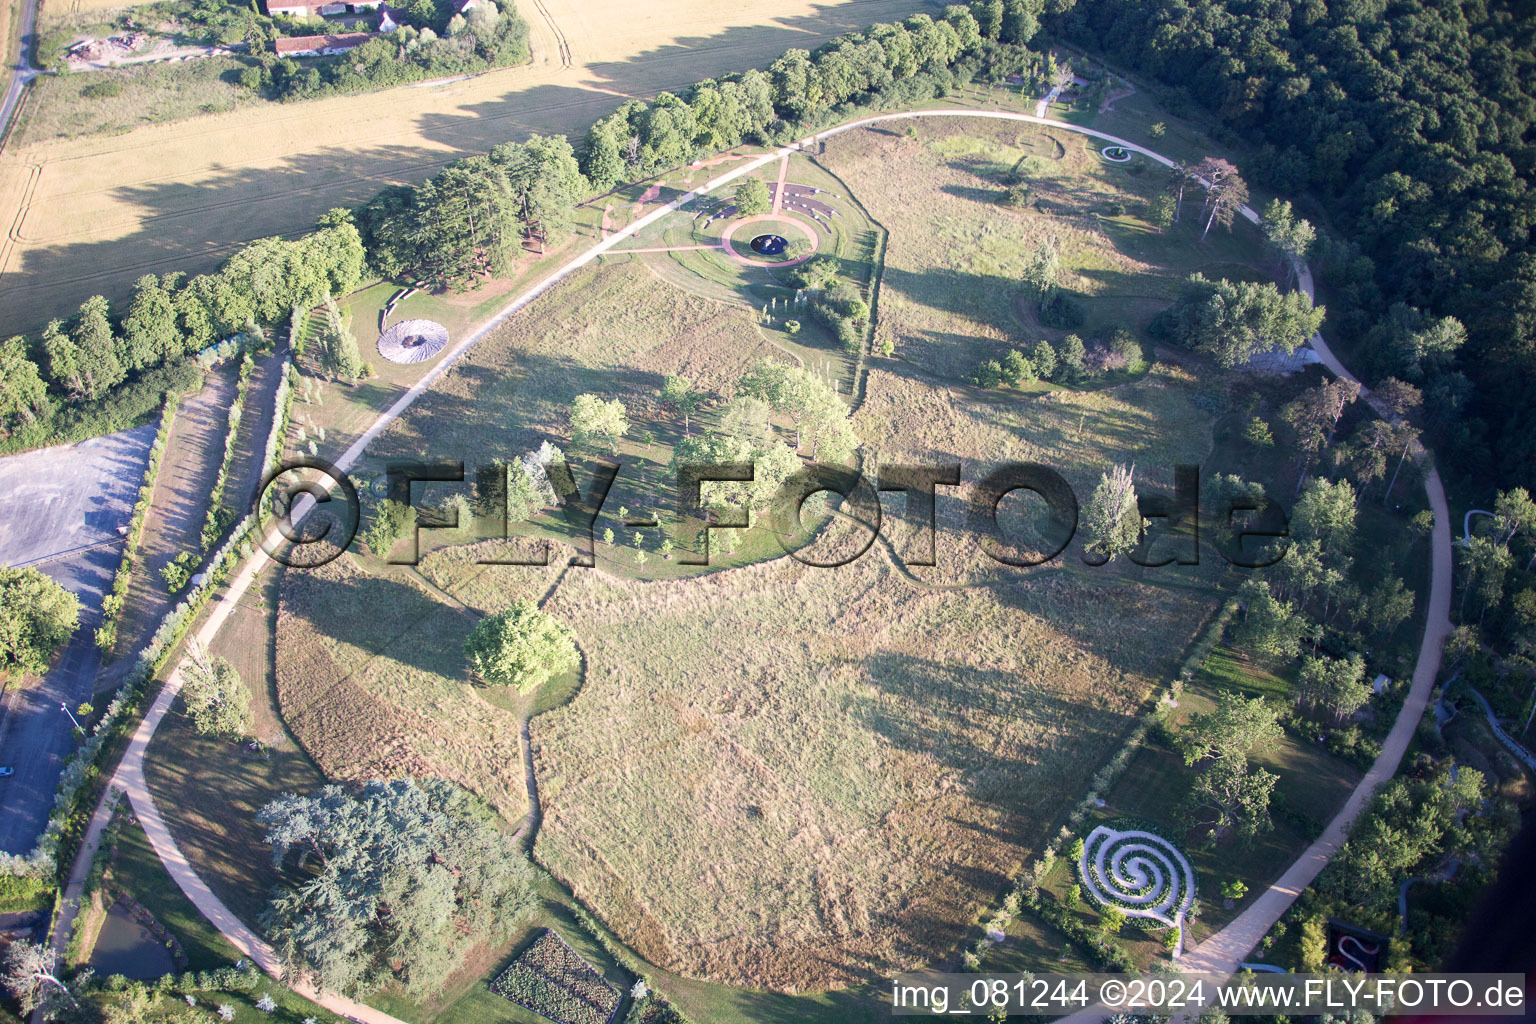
<point x="216" y="699"/>
<point x="1114" y="519"/>
<point x="1225" y="192"/>
<point x="1236" y="726"/>
<point x="32" y="976"/>
<point x="520" y="647"/>
<point x="1236" y="794"/>
<point x="752" y="197"/>
<point x="393" y="883"/>
<point x="597" y="422"/>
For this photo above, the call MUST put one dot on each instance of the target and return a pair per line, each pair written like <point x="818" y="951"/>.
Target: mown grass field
<point x="93" y="214"/>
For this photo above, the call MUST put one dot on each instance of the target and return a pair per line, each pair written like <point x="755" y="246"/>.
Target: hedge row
<point x="219" y="515"/>
<point x="83" y="767"/>
<point x="112" y="604"/>
<point x="283" y="399"/>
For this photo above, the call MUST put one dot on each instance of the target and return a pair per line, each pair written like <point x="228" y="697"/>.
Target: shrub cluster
<point x="1070" y="361"/>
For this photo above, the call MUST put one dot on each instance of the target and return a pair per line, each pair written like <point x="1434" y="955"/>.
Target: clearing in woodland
<point x="91" y="215"/>
<point x="783" y="776"/>
<point x="777" y="776"/>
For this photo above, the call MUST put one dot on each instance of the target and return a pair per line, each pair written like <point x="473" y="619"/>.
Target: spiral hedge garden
<point x="1140" y="873"/>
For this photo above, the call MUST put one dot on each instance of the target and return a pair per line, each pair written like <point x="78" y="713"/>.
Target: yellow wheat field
<point x="91" y="215"/>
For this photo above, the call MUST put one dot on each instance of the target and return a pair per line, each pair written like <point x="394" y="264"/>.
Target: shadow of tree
<point x="192" y="225"/>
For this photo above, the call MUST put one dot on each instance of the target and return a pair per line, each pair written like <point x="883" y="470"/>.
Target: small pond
<point x="769" y="245"/>
<point x="126" y="947"/>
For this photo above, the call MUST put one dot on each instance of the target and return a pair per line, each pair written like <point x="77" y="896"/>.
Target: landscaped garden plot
<point x="550" y="979"/>
<point x="788" y="776"/>
<point x="951" y="296"/>
<point x="610" y="329"/>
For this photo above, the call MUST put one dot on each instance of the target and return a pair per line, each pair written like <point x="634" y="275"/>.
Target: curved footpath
<point x="1220" y="953"/>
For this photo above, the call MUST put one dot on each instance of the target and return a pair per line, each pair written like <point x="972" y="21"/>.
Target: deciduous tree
<point x="23" y="395"/>
<point x="36" y="617"/>
<point x="1270" y="627"/>
<point x="1237" y="794"/>
<point x="216" y="699"/>
<point x="1237" y="726"/>
<point x="677" y="394"/>
<point x="1336" y="685"/>
<point x="32" y="975"/>
<point x="521" y="647"/>
<point x="1113" y="518"/>
<point x="598" y="422"/>
<point x="751" y="197"/>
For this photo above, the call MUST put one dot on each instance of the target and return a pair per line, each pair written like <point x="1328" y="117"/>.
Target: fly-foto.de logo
<point x="309" y="503"/>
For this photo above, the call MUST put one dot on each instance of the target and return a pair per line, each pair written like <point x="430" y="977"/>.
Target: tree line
<point x="100" y="370"/>
<point x="103" y="368"/>
<point x="802" y="90"/>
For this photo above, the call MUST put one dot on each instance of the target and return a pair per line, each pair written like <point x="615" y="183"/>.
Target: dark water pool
<point x="126" y="947"/>
<point x="769" y="245"/>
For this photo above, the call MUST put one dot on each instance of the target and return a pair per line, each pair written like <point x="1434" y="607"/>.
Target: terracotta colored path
<point x="778" y="193"/>
<point x="1219" y="953"/>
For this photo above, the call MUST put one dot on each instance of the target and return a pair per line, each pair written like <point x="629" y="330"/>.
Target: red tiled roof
<point x="302" y="44"/>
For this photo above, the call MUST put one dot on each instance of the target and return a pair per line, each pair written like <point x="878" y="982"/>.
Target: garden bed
<point x="553" y="981"/>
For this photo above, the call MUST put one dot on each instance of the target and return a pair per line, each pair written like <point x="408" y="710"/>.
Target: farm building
<point x="320" y="46"/>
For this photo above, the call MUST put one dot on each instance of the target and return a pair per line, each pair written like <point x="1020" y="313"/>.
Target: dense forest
<point x="1411" y="123"/>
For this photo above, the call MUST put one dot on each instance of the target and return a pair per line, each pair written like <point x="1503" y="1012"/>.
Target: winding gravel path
<point x="1220" y="953"/>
